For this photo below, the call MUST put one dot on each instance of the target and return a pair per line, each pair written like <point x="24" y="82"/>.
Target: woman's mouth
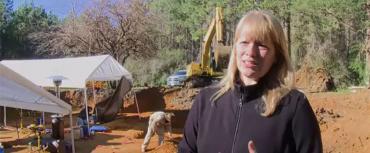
<point x="250" y="64"/>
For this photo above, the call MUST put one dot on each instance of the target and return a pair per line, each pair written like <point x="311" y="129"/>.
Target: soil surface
<point x="344" y="119"/>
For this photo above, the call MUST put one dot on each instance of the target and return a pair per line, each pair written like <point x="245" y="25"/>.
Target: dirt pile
<point x="155" y="99"/>
<point x="166" y="147"/>
<point x="314" y="79"/>
<point x="180" y="99"/>
<point x="175" y="100"/>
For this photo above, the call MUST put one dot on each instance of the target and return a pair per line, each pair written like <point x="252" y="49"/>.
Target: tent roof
<point x="18" y="92"/>
<point x="76" y="70"/>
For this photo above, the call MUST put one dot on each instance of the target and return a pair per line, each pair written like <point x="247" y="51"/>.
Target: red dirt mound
<point x="175" y="100"/>
<point x="180" y="99"/>
<point x="314" y="80"/>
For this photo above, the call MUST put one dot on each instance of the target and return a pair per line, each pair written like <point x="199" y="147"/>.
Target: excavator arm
<point x="207" y="69"/>
<point x="216" y="27"/>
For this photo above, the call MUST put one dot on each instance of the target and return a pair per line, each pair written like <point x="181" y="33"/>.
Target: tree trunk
<point x="288" y="22"/>
<point x="2" y="52"/>
<point x="289" y="35"/>
<point x="367" y="43"/>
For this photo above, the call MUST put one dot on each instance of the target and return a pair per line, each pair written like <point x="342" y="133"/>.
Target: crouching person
<point x="158" y="122"/>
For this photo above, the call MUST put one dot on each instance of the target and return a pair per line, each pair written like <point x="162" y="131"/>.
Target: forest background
<point x="154" y="38"/>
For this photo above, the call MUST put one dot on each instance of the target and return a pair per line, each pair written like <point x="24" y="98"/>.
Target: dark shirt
<point x="227" y="125"/>
<point x="82" y="113"/>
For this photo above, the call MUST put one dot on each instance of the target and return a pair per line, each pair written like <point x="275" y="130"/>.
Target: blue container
<point x="2" y="150"/>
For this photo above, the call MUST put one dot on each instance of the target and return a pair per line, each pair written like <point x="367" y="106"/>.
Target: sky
<point x="60" y="8"/>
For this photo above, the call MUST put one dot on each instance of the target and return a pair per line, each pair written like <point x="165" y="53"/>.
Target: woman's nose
<point x="252" y="50"/>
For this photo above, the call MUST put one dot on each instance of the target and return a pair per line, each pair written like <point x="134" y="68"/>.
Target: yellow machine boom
<point x="211" y="52"/>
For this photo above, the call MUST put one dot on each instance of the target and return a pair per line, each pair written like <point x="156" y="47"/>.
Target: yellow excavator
<point x="214" y="55"/>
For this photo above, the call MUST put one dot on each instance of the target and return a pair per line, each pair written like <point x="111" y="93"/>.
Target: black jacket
<point x="227" y="125"/>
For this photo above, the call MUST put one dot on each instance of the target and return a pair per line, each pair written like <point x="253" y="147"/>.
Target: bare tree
<point x="121" y="29"/>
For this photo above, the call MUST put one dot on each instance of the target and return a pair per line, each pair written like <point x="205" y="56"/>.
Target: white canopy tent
<point x="18" y="92"/>
<point x="77" y="71"/>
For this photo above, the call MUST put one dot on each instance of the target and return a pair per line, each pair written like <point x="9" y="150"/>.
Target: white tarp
<point x="18" y="92"/>
<point x="76" y="70"/>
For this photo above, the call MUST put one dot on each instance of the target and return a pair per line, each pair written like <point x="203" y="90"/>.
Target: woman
<point x="255" y="107"/>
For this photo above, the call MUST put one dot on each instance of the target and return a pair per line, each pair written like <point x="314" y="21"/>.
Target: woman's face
<point x="254" y="58"/>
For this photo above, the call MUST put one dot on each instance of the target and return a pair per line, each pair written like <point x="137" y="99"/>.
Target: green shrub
<point x="357" y="65"/>
<point x="155" y="70"/>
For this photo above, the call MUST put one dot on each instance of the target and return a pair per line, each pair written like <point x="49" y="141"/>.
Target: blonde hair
<point x="279" y="80"/>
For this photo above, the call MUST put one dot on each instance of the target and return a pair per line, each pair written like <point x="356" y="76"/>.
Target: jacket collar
<point x="247" y="93"/>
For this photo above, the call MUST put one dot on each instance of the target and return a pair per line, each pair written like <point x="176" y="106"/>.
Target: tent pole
<point x="4" y="116"/>
<point x="72" y="132"/>
<point x="93" y="87"/>
<point x="43" y="118"/>
<point x="21" y="124"/>
<point x="137" y="105"/>
<point x="87" y="111"/>
<point x="56" y="91"/>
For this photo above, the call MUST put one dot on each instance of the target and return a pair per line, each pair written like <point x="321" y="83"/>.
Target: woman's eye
<point x="243" y="43"/>
<point x="262" y="47"/>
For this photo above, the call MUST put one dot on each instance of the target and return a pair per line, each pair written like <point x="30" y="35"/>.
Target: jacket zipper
<point x="237" y="122"/>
